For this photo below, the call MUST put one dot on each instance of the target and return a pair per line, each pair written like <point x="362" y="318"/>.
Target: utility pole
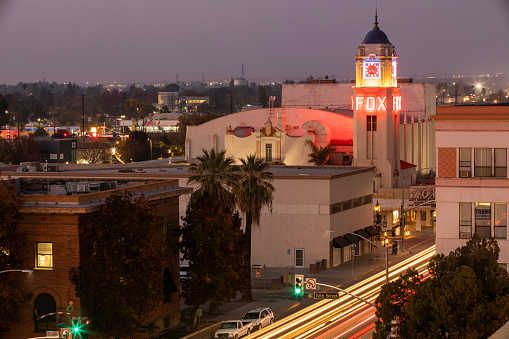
<point x="83" y="114"/>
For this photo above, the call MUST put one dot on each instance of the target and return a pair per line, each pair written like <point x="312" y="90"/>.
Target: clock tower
<point x="376" y="104"/>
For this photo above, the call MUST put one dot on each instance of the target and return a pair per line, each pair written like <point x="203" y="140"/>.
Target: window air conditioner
<point x="465" y="235"/>
<point x="465" y="174"/>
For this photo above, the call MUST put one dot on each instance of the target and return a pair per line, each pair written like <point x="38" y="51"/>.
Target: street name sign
<point x="326" y="295"/>
<point x="257" y="266"/>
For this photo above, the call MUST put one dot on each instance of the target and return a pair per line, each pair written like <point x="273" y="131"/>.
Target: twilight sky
<point x="153" y="40"/>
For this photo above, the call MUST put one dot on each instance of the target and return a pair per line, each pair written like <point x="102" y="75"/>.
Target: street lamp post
<point x="386" y="255"/>
<point x="402" y="215"/>
<point x="18" y="270"/>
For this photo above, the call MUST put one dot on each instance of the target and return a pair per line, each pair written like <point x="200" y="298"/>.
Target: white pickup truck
<point x="233" y="329"/>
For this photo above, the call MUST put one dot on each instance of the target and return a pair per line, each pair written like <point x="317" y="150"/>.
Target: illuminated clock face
<point x="372" y="69"/>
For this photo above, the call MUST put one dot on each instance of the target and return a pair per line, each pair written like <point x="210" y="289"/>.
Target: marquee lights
<point x="375" y="103"/>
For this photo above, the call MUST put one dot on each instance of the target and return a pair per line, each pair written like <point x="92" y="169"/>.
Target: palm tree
<point x="319" y="155"/>
<point x="252" y="192"/>
<point x="215" y="176"/>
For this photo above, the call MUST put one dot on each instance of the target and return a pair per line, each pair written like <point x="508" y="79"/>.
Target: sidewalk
<point x="281" y="300"/>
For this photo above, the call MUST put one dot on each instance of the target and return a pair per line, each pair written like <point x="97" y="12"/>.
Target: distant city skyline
<point x="152" y="41"/>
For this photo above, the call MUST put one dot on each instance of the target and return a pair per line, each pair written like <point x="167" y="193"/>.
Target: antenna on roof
<point x="376" y="28"/>
<point x="242" y="69"/>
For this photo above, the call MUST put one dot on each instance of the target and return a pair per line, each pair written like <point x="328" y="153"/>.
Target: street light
<point x="386" y="255"/>
<point x="24" y="270"/>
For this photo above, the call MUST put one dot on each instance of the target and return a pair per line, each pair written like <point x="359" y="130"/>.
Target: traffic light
<point x="299" y="284"/>
<point x="78" y="327"/>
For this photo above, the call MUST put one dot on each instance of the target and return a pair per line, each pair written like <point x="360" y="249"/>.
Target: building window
<point x="268" y="152"/>
<point x="482" y="166"/>
<point x="483" y="219"/>
<point x="299" y="257"/>
<point x="465" y="220"/>
<point x="357" y="202"/>
<point x="44" y="252"/>
<point x="501" y="162"/>
<point x="465" y="162"/>
<point x="500" y="220"/>
<point x="371" y="123"/>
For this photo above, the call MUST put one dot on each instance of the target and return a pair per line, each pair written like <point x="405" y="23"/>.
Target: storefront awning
<point x="351" y="238"/>
<point x="339" y="242"/>
<point x="372" y="231"/>
<point x="363" y="233"/>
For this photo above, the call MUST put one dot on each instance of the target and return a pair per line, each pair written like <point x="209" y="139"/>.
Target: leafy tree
<point x="213" y="243"/>
<point x="24" y="149"/>
<point x="135" y="148"/>
<point x="41" y="132"/>
<point x="95" y="152"/>
<point x="11" y="255"/>
<point x="111" y="102"/>
<point x="119" y="279"/>
<point x="214" y="175"/>
<point x="319" y="155"/>
<point x="465" y="288"/>
<point x="263" y="98"/>
<point x="21" y="149"/>
<point x="4" y="117"/>
<point x="253" y="191"/>
<point x="137" y="108"/>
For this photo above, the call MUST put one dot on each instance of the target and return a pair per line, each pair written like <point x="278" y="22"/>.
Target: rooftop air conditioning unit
<point x="465" y="235"/>
<point x="465" y="174"/>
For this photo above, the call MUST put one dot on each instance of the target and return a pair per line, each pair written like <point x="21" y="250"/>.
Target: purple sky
<point x="153" y="40"/>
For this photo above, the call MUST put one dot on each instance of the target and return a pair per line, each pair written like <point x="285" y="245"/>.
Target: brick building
<point x="51" y="222"/>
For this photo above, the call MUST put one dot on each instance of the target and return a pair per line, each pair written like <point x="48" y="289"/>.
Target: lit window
<point x="483" y="219"/>
<point x="465" y="220"/>
<point x="44" y="255"/>
<point x="500" y="220"/>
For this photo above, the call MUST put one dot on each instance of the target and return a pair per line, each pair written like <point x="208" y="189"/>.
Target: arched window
<point x="169" y="286"/>
<point x="44" y="304"/>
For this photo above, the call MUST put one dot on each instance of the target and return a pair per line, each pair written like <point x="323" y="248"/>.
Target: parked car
<point x="184" y="267"/>
<point x="233" y="329"/>
<point x="259" y="317"/>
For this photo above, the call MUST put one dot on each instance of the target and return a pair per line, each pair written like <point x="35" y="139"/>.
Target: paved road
<point x="282" y="301"/>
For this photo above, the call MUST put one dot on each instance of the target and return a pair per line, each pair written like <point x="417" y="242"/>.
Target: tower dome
<point x="376" y="36"/>
<point x="376" y="60"/>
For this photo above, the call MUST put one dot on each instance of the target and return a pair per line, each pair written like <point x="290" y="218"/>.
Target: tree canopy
<point x="18" y="150"/>
<point x="465" y="296"/>
<point x="11" y="254"/>
<point x="213" y="244"/>
<point x="119" y="279"/>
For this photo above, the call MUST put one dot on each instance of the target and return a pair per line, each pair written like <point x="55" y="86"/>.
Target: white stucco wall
<point x="300" y="218"/>
<point x="212" y="133"/>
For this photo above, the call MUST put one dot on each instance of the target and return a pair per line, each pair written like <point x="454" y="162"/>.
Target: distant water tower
<point x="240" y="81"/>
